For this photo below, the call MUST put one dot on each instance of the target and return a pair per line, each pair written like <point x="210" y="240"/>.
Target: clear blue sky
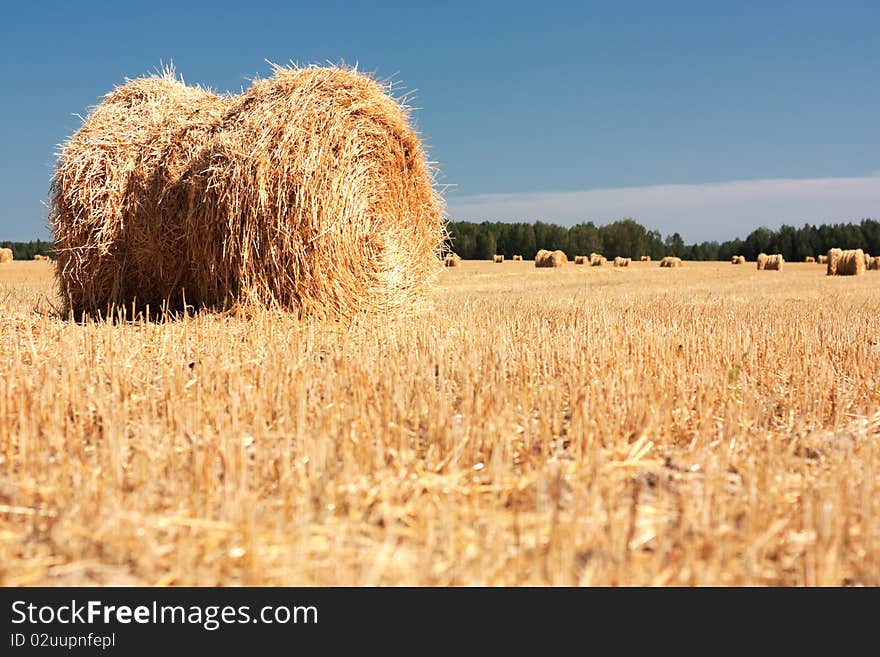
<point x="550" y="97"/>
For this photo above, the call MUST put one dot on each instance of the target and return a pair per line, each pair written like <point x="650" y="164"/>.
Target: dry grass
<point x="309" y="191"/>
<point x="731" y="438"/>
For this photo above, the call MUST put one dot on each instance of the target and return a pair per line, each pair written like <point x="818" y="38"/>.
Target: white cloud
<point x="709" y="211"/>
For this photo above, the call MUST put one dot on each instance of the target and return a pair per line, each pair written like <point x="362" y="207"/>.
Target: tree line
<point x="629" y="239"/>
<point x="625" y="238"/>
<point x="27" y="250"/>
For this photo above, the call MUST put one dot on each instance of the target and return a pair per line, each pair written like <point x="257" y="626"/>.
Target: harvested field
<point x="730" y="438"/>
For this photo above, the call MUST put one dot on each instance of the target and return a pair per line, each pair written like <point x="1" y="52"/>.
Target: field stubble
<point x="575" y="426"/>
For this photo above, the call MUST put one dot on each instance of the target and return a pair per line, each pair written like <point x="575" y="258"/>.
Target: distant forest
<point x="27" y="250"/>
<point x="629" y="239"/>
<point x="626" y="238"/>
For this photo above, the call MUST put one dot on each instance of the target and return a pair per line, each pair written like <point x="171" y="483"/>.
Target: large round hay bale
<point x="772" y="262"/>
<point x="822" y="259"/>
<point x="6" y="255"/>
<point x="517" y="258"/>
<point x="597" y="260"/>
<point x="497" y="258"/>
<point x="874" y="265"/>
<point x="309" y="191"/>
<point x="850" y="262"/>
<point x="810" y="259"/>
<point x="671" y="261"/>
<point x="832" y="260"/>
<point x="738" y="260"/>
<point x="645" y="258"/>
<point x="452" y="260"/>
<point x="546" y="258"/>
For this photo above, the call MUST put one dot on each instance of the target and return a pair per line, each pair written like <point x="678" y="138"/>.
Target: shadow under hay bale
<point x="310" y="191"/>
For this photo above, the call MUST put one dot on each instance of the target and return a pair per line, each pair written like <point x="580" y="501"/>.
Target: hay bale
<point x="850" y="262"/>
<point x="452" y="260"/>
<point x="868" y="260"/>
<point x="41" y="258"/>
<point x="550" y="258"/>
<point x="738" y="260"/>
<point x="875" y="263"/>
<point x="645" y="258"/>
<point x="517" y="258"/>
<point x="580" y="260"/>
<point x="770" y="262"/>
<point x="597" y="260"/>
<point x="622" y="262"/>
<point x="810" y="259"/>
<point x="671" y="261"/>
<point x="497" y="258"/>
<point x="310" y="191"/>
<point x="822" y="259"/>
<point x="6" y="255"/>
<point x="831" y="261"/>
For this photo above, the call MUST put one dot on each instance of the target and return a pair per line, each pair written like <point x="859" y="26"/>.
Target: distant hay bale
<point x="497" y="258"/>
<point x="451" y="260"/>
<point x="40" y="257"/>
<point x="517" y="258"/>
<point x="810" y="259"/>
<point x="597" y="260"/>
<point x="868" y="260"/>
<point x="580" y="260"/>
<point x="622" y="262"/>
<point x="850" y="262"/>
<point x="6" y="255"/>
<point x="550" y="258"/>
<point x="645" y="258"/>
<point x="671" y="261"/>
<point x="770" y="262"/>
<point x="738" y="260"/>
<point x="310" y="191"/>
<point x="822" y="259"/>
<point x="875" y="264"/>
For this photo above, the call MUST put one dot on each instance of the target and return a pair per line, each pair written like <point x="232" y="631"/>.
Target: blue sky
<point x="553" y="111"/>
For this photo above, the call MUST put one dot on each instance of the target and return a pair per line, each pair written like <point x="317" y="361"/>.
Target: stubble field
<point x="710" y="425"/>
